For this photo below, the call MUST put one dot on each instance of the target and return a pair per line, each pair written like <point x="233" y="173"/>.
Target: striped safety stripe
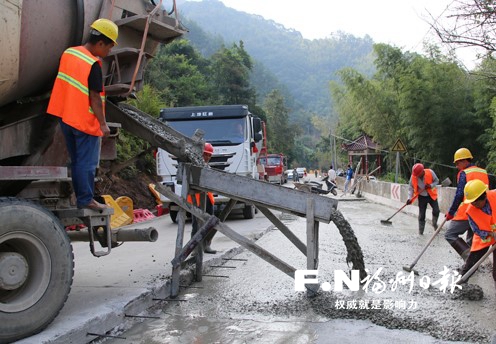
<point x="474" y="169"/>
<point x="80" y="55"/>
<point x="73" y="82"/>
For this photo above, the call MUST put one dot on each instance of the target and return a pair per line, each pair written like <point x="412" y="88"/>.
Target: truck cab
<point x="234" y="132"/>
<point x="275" y="166"/>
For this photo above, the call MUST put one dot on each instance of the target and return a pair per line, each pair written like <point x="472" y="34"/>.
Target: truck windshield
<point x="270" y="161"/>
<point x="225" y="131"/>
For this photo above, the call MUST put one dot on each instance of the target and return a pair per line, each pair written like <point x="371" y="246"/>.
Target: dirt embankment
<point x="136" y="188"/>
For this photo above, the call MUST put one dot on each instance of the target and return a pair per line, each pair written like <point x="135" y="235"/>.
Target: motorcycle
<point x="331" y="187"/>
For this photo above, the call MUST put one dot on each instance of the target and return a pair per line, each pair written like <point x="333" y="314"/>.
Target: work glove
<point x="448" y="216"/>
<point x="428" y="186"/>
<point x="408" y="201"/>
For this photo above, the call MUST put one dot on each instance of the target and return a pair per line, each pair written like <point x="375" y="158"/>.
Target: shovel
<point x="410" y="268"/>
<point x="444" y="183"/>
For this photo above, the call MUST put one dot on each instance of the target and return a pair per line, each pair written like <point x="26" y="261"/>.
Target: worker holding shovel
<point x="457" y="212"/>
<point x="481" y="213"/>
<point x="422" y="184"/>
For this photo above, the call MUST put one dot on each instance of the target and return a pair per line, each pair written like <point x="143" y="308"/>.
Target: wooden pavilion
<point x="366" y="149"/>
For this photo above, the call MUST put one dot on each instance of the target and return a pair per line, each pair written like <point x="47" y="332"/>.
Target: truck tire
<point x="36" y="268"/>
<point x="249" y="211"/>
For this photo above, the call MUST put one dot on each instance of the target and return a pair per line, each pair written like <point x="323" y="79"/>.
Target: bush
<point x="390" y="176"/>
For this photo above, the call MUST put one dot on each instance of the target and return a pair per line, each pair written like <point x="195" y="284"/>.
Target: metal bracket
<point x="94" y="220"/>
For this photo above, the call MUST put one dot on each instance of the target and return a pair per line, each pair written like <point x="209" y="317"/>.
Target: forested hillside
<point x="314" y="93"/>
<point x="303" y="66"/>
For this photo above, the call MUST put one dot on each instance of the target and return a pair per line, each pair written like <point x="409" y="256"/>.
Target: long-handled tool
<point x="469" y="273"/>
<point x="410" y="268"/>
<point x="387" y="222"/>
<point x="445" y="182"/>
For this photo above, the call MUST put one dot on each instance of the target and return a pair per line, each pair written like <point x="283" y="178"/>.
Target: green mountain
<point x="303" y="67"/>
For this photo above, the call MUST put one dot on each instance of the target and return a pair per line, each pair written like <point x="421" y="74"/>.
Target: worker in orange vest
<point x="459" y="224"/>
<point x="78" y="99"/>
<point x="208" y="151"/>
<point x="481" y="213"/>
<point x="423" y="183"/>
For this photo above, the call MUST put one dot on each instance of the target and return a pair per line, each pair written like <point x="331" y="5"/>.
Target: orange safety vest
<point x="197" y="196"/>
<point x="472" y="172"/>
<point x="484" y="221"/>
<point x="70" y="99"/>
<point x="427" y="180"/>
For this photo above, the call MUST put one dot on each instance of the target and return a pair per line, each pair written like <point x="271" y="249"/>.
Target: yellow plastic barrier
<point x="126" y="205"/>
<point x="119" y="218"/>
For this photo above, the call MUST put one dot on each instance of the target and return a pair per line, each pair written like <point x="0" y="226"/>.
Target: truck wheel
<point x="173" y="215"/>
<point x="36" y="268"/>
<point x="249" y="211"/>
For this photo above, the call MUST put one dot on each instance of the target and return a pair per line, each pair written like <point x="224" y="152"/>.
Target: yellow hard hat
<point x="106" y="27"/>
<point x="461" y="154"/>
<point x="473" y="189"/>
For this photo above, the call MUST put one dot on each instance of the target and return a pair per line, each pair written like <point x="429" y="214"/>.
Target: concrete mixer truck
<point x="36" y="202"/>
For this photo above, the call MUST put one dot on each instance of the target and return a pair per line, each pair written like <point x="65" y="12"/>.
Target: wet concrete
<point x="258" y="303"/>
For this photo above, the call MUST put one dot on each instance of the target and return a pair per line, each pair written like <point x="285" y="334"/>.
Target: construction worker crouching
<point x="457" y="212"/>
<point x="208" y="151"/>
<point x="481" y="212"/>
<point x="422" y="184"/>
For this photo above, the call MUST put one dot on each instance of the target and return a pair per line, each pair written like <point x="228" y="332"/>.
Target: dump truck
<point x="36" y="196"/>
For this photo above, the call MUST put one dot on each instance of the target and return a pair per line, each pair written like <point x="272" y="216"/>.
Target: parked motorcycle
<point x="331" y="187"/>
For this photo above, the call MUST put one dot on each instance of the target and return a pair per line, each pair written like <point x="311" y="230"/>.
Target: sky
<point x="402" y="23"/>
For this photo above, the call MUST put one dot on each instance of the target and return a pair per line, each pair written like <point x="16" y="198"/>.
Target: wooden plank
<point x="312" y="244"/>
<point x="181" y="221"/>
<point x="310" y="235"/>
<point x="158" y="134"/>
<point x="194" y="241"/>
<point x="257" y="192"/>
<point x="228" y="232"/>
<point x="284" y="230"/>
<point x="227" y="210"/>
<point x="254" y="248"/>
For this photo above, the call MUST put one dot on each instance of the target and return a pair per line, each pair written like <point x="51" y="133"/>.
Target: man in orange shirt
<point x="423" y="185"/>
<point x="459" y="224"/>
<point x="78" y="99"/>
<point x="481" y="214"/>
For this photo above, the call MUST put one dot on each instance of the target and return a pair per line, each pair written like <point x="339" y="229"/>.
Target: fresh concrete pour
<point x="258" y="303"/>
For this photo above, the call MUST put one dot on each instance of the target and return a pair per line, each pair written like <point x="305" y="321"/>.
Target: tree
<point x="177" y="74"/>
<point x="280" y="136"/>
<point x="468" y="23"/>
<point x="230" y="71"/>
<point x="428" y="102"/>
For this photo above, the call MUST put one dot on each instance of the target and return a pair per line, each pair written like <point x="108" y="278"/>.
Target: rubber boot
<point x="421" y="227"/>
<point x="208" y="242"/>
<point x="434" y="221"/>
<point x="461" y="248"/>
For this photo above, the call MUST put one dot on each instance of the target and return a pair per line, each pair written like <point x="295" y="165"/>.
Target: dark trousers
<point x="474" y="257"/>
<point x="422" y="204"/>
<point x="209" y="208"/>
